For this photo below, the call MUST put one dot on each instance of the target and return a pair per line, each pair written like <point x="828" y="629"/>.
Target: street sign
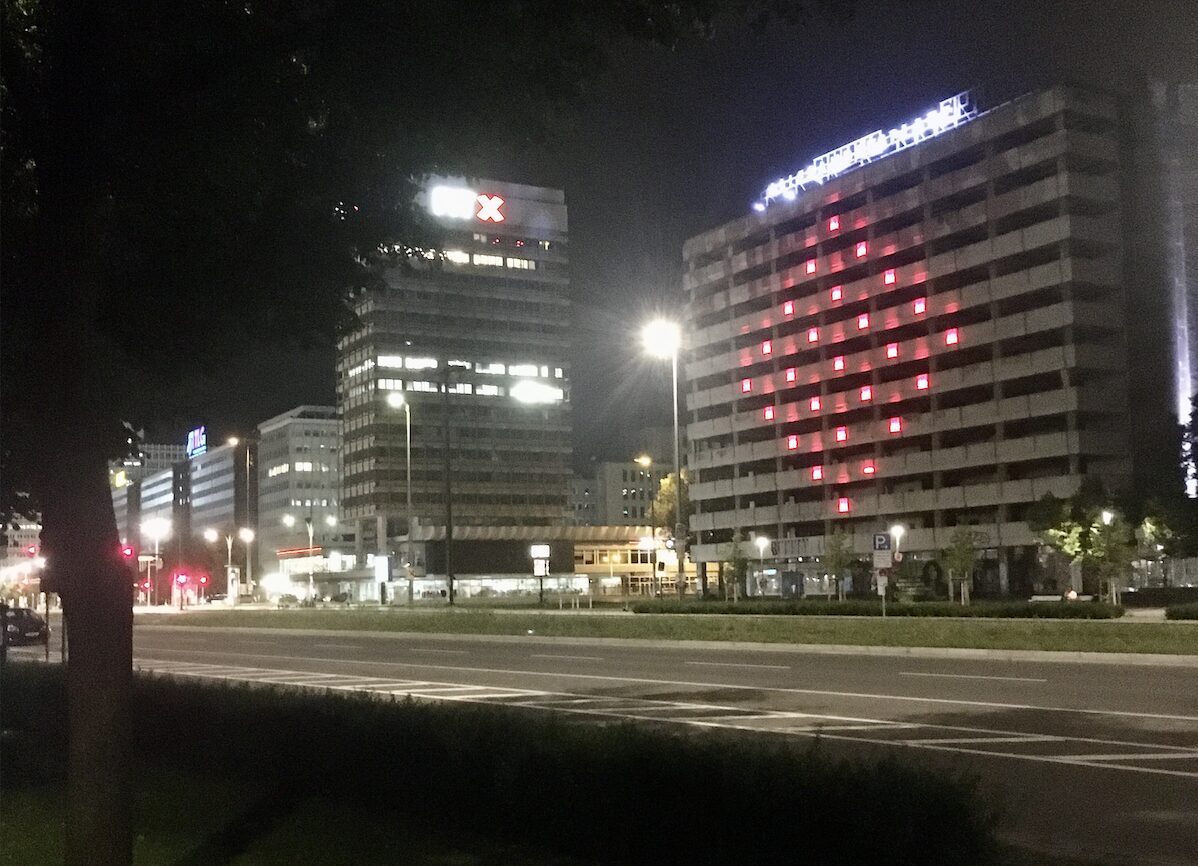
<point x="898" y="556"/>
<point x="539" y="551"/>
<point x="883" y="580"/>
<point x="882" y="559"/>
<point x="881" y="541"/>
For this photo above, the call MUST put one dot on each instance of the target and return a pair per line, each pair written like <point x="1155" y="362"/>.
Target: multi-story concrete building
<point x="298" y="480"/>
<point x="935" y="326"/>
<point x="474" y="336"/>
<point x="144" y="459"/>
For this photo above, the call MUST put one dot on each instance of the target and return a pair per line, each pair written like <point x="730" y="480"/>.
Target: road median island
<point x="1072" y="636"/>
<point x="258" y="775"/>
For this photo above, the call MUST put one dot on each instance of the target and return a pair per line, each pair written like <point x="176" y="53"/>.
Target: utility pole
<point x="448" y="486"/>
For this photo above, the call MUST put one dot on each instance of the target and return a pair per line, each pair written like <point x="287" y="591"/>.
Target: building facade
<point x="617" y="493"/>
<point x="932" y="327"/>
<point x="298" y="479"/>
<point x="474" y="338"/>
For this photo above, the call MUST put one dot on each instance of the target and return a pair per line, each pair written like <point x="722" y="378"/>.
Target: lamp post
<point x="247" y="537"/>
<point x="395" y="400"/>
<point x="762" y="543"/>
<point x="661" y="339"/>
<point x="156" y="529"/>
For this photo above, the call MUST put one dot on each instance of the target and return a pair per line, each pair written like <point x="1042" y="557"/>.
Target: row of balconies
<point x="907" y="503"/>
<point x="1049" y="147"/>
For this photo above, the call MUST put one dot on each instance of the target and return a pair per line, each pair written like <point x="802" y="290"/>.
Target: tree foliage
<point x="961" y="554"/>
<point x="664" y="508"/>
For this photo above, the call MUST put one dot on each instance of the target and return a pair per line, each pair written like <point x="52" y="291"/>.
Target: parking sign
<point x="881" y="541"/>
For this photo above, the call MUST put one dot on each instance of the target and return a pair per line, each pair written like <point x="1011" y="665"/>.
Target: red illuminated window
<point x="896" y="425"/>
<point x="813" y="335"/>
<point x="951" y="338"/>
<point x="838" y="363"/>
<point x="862" y="249"/>
<point x="842" y="505"/>
<point x="863" y="321"/>
<point x="867" y="469"/>
<point x="834" y="224"/>
<point x="867" y="393"/>
<point x="842" y="434"/>
<point x="817" y="473"/>
<point x="788" y="308"/>
<point x="892" y="350"/>
<point x="767" y="347"/>
<point x="792" y="442"/>
<point x="921" y="382"/>
<point x="837" y="293"/>
<point x="769" y="413"/>
<point x="814" y="404"/>
<point x="791" y="374"/>
<point x="920" y="306"/>
<point x="746" y="385"/>
<point x="888" y="278"/>
<point x="810" y="266"/>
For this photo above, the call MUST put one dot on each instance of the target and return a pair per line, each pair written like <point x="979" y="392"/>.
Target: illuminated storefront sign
<point x="197" y="442"/>
<point x="951" y="113"/>
<point x="460" y="203"/>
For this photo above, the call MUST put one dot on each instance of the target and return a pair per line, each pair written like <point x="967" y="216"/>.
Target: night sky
<point x="674" y="143"/>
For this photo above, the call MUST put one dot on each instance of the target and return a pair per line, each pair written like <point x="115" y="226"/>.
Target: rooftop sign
<point x="197" y="442"/>
<point x="951" y="113"/>
<point x="460" y="203"/>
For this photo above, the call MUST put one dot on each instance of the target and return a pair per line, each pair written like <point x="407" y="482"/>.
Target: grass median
<point x="255" y="775"/>
<point x="1176" y="638"/>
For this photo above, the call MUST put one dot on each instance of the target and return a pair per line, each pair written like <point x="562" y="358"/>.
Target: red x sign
<point x="489" y="208"/>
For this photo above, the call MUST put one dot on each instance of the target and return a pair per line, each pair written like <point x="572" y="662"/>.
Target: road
<point x="1087" y="760"/>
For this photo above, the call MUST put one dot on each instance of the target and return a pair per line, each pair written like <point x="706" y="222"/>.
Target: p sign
<point x="881" y="541"/>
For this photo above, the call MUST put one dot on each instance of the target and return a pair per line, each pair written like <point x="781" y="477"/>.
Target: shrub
<point x="1182" y="611"/>
<point x="1160" y="596"/>
<point x="862" y="607"/>
<point x="499" y="766"/>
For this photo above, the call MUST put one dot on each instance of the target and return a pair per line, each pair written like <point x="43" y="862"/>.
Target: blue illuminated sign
<point x="197" y="442"/>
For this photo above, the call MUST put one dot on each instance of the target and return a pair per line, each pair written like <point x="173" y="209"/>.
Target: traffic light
<point x="31" y="550"/>
<point x="146" y="584"/>
<point x="180" y="579"/>
<point x="203" y="580"/>
<point x="128" y="553"/>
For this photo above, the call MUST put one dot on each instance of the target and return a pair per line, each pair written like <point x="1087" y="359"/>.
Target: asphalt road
<point x="1098" y="762"/>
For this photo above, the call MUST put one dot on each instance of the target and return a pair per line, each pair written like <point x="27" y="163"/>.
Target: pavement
<point x="1092" y="761"/>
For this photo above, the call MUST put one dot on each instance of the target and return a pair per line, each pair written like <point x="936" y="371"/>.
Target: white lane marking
<point x="261" y="642"/>
<point x="1190" y="756"/>
<point x="416" y="649"/>
<point x="574" y="658"/>
<point x="703" y="685"/>
<point x="738" y="665"/>
<point x="972" y="677"/>
<point x="336" y="646"/>
<point x="1018" y="738"/>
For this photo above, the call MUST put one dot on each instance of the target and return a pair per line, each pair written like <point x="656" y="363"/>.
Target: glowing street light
<point x="762" y="544"/>
<point x="645" y="461"/>
<point x="1107" y="517"/>
<point x="662" y="338"/>
<point x="157" y="529"/>
<point x="330" y="519"/>
<point x="897" y="532"/>
<point x="211" y="535"/>
<point x="288" y="520"/>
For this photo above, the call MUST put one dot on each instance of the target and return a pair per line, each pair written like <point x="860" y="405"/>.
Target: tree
<point x="181" y="177"/>
<point x="664" y="508"/>
<point x="738" y="566"/>
<point x="837" y="557"/>
<point x="958" y="559"/>
<point x="1090" y="530"/>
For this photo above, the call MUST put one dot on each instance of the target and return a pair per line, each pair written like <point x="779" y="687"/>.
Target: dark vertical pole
<point x="46" y="596"/>
<point x="448" y="490"/>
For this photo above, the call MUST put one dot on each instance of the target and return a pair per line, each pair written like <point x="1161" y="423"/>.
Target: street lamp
<point x="156" y="529"/>
<point x="396" y="400"/>
<point x="1107" y="517"/>
<point x="247" y="538"/>
<point x="762" y="543"/>
<point x="645" y="461"/>
<point x="210" y="536"/>
<point x="897" y="532"/>
<point x="662" y="338"/>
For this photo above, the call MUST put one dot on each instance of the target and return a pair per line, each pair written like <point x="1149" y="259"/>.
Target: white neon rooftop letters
<point x="950" y="113"/>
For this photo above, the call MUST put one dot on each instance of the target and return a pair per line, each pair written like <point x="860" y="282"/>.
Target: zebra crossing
<point x="1111" y="754"/>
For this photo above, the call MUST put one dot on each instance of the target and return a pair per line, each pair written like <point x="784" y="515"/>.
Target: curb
<point x="1129" y="659"/>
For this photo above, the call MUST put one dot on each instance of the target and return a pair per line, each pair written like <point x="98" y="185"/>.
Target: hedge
<point x="858" y="607"/>
<point x="1182" y="611"/>
<point x="1160" y="596"/>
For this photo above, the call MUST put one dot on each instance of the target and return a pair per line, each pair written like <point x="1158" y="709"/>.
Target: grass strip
<point x="872" y="607"/>
<point x="1052" y="635"/>
<point x="606" y="793"/>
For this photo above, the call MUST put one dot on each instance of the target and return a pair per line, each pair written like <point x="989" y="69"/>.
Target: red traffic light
<point x="31" y="550"/>
<point x="180" y="579"/>
<point x="203" y="580"/>
<point x="146" y="585"/>
<point x="127" y="551"/>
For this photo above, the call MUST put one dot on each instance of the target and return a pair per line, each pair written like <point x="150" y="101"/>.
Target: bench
<point x="1059" y="598"/>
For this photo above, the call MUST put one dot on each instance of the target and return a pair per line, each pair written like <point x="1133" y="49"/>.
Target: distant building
<point x="143" y="460"/>
<point x="621" y="492"/>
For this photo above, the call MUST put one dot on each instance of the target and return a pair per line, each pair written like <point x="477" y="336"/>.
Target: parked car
<point x="287" y="600"/>
<point x="23" y="625"/>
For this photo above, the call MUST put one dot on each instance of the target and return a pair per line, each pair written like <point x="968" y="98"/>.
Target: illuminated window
<point x="867" y="393"/>
<point x="791" y="374"/>
<point x="390" y="384"/>
<point x="892" y="350"/>
<point x="862" y="249"/>
<point x="278" y="470"/>
<point x="489" y="261"/>
<point x="522" y="369"/>
<point x="458" y="257"/>
<point x="834" y="224"/>
<point x="487" y="390"/>
<point x="769" y="413"/>
<point x="842" y="505"/>
<point x="788" y="308"/>
<point x="863" y="321"/>
<point x="920" y="306"/>
<point x="810" y="266"/>
<point x="390" y="360"/>
<point x="492" y="369"/>
<point x="867" y="469"/>
<point x="950" y="337"/>
<point x="837" y="293"/>
<point x="921" y="382"/>
<point x="522" y="264"/>
<point x="427" y="387"/>
<point x="303" y="466"/>
<point x="813" y="335"/>
<point x="817" y="473"/>
<point x="842" y="434"/>
<point x="888" y="278"/>
<point x="792" y="442"/>
<point x="896" y="425"/>
<point x="838" y="363"/>
<point x="767" y="347"/>
<point x="746" y="385"/>
<point x="814" y="404"/>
